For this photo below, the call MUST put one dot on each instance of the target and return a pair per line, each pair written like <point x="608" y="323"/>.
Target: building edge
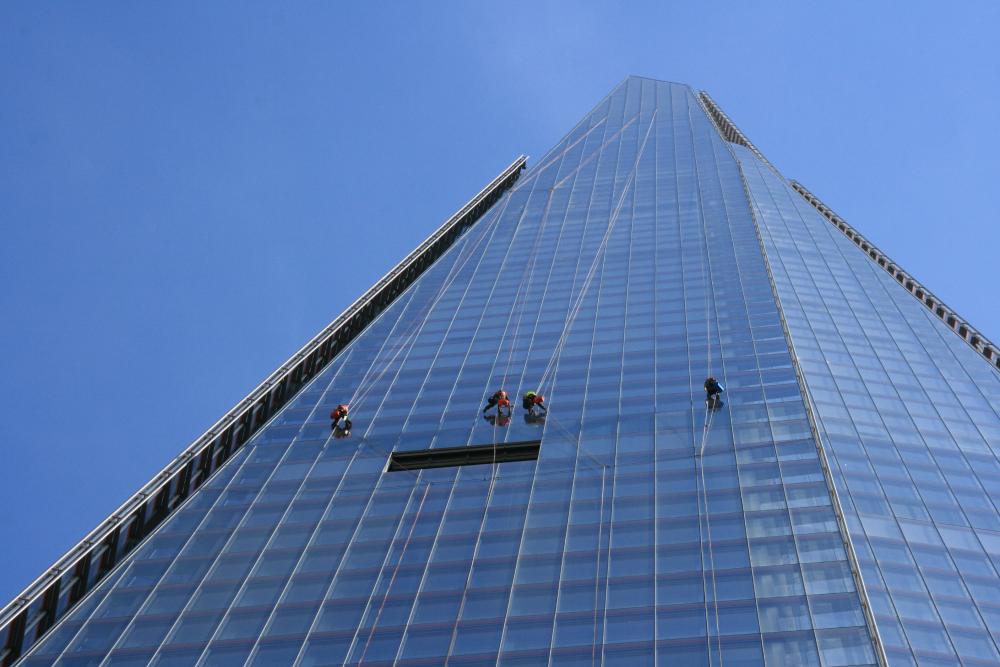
<point x="979" y="342"/>
<point x="731" y="134"/>
<point x="29" y="616"/>
<point x="976" y="340"/>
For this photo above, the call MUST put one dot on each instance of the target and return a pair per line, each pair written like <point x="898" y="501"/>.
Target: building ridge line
<point x="38" y="607"/>
<point x="958" y="324"/>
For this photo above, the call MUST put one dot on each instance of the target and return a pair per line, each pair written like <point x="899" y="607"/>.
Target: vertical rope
<point x="700" y="481"/>
<point x="709" y="418"/>
<point x="475" y="550"/>
<point x="597" y="571"/>
<point x="709" y="411"/>
<point x="598" y="256"/>
<point x="395" y="571"/>
<point x="366" y="384"/>
<point x="522" y="288"/>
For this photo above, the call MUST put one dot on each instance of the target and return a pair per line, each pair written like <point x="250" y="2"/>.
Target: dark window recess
<point x="465" y="456"/>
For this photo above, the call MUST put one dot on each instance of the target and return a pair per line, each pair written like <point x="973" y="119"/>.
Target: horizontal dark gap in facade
<point x="446" y="457"/>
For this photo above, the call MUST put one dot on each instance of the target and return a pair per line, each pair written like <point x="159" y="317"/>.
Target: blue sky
<point x="189" y="191"/>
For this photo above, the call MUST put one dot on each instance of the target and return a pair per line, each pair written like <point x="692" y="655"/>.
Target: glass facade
<point x="908" y="417"/>
<point x="619" y="272"/>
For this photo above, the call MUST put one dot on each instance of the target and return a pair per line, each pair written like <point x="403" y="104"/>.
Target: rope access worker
<point x="713" y="392"/>
<point x="533" y="402"/>
<point x="499" y="419"/>
<point x="498" y="400"/>
<point x="340" y="413"/>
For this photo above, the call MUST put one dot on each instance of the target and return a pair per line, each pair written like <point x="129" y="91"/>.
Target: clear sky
<point x="189" y="191"/>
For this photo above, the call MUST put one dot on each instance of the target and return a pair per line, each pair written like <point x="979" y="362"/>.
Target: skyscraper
<point x="836" y="507"/>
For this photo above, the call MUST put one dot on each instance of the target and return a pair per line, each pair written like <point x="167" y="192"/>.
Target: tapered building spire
<point x="646" y="403"/>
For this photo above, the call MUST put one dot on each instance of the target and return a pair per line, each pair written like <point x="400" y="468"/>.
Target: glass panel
<point x="621" y="271"/>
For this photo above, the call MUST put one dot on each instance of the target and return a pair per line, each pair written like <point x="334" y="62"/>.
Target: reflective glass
<point x="908" y="419"/>
<point x="621" y="270"/>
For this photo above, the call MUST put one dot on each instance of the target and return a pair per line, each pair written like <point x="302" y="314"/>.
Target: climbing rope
<point x="548" y="205"/>
<point x="711" y="405"/>
<point x="703" y="502"/>
<point x="597" y="571"/>
<point x="479" y="534"/>
<point x="592" y="271"/>
<point x="521" y="295"/>
<point x="371" y="378"/>
<point x="367" y="384"/>
<point x="395" y="572"/>
<point x="572" y="437"/>
<point x="598" y="151"/>
<point x="537" y="171"/>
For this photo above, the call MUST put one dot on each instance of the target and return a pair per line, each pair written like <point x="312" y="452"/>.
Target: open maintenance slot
<point x="526" y="450"/>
